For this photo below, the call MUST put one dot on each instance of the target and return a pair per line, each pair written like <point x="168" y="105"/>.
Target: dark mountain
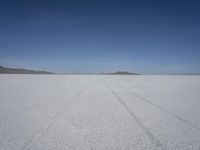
<point x="4" y="70"/>
<point x="123" y="73"/>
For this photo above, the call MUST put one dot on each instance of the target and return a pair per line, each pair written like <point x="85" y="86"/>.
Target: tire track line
<point x="163" y="109"/>
<point x="148" y="133"/>
<point x="37" y="104"/>
<point x="43" y="100"/>
<point x="52" y="122"/>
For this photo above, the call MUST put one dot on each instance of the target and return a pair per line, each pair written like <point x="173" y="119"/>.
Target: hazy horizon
<point x="148" y="37"/>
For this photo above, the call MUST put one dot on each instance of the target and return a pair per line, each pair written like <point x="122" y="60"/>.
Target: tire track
<point x="163" y="109"/>
<point x="43" y="100"/>
<point x="148" y="133"/>
<point x="31" y="143"/>
<point x="36" y="104"/>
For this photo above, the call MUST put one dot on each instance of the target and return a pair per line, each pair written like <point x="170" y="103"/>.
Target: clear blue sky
<point x="152" y="36"/>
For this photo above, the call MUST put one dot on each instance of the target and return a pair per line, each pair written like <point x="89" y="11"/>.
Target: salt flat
<point x="57" y="112"/>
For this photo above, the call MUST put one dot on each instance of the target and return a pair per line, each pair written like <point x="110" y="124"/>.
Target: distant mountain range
<point x="4" y="70"/>
<point x="123" y="73"/>
<point x="113" y="73"/>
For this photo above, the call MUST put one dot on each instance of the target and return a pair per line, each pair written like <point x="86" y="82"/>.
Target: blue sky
<point x="146" y="36"/>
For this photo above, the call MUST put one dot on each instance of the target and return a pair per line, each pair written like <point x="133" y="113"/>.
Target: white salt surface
<point x="98" y="112"/>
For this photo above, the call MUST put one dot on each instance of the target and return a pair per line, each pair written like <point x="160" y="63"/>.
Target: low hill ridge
<point x="123" y="73"/>
<point x="4" y="70"/>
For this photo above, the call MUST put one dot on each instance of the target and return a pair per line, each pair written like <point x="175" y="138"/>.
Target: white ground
<point x="58" y="112"/>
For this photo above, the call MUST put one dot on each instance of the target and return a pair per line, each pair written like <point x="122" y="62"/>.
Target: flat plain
<point x="99" y="112"/>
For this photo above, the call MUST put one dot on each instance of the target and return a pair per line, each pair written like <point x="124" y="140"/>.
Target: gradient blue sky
<point x="146" y="36"/>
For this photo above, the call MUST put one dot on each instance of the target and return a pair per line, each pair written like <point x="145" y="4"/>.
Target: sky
<point x="65" y="36"/>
